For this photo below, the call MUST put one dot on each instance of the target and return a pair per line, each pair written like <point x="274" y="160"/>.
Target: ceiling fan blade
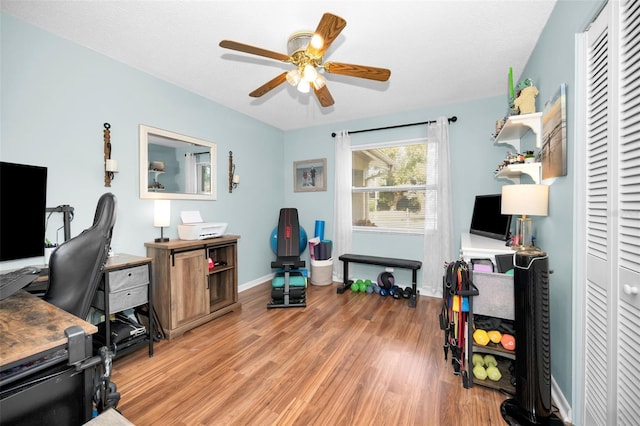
<point x="328" y="29"/>
<point x="323" y="95"/>
<point x="361" y="71"/>
<point x="269" y="85"/>
<point x="234" y="45"/>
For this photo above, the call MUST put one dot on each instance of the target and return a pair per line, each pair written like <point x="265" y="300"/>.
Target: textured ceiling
<point x="439" y="52"/>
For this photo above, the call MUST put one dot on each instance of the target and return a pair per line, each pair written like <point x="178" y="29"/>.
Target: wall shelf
<point x="519" y="125"/>
<point x="513" y="172"/>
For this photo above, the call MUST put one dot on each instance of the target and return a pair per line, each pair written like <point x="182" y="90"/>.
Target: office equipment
<point x="193" y="228"/>
<point x="67" y="217"/>
<point x="75" y="267"/>
<point x="40" y="348"/>
<point x="487" y="219"/>
<point x="290" y="293"/>
<point x="13" y="281"/>
<point x="23" y="193"/>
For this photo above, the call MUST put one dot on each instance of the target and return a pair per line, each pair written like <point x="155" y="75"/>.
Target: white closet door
<point x="612" y="171"/>
<point x="599" y="310"/>
<point x="628" y="269"/>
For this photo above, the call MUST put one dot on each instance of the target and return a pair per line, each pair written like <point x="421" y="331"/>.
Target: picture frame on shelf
<point x="310" y="175"/>
<point x="553" y="154"/>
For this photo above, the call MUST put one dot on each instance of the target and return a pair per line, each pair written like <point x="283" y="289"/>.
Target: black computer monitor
<point x="23" y="199"/>
<point x="487" y="219"/>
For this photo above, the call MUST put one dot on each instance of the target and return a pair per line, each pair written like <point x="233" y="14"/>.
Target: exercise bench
<point x="390" y="262"/>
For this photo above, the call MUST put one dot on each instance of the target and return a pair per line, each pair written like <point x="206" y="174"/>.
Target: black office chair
<point x="288" y="286"/>
<point x="75" y="267"/>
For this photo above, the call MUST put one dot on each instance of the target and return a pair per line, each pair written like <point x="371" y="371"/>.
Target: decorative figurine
<point x="526" y="100"/>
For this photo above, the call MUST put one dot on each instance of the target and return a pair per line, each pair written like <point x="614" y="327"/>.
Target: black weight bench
<point x="390" y="262"/>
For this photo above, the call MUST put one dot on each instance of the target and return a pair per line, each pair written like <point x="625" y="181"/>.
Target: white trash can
<point x="321" y="272"/>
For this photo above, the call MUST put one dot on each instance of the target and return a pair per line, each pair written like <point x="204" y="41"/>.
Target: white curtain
<point x="190" y="184"/>
<point x="438" y="227"/>
<point x="342" y="223"/>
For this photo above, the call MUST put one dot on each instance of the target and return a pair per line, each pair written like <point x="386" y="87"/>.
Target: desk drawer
<point x="128" y="278"/>
<point x="121" y="300"/>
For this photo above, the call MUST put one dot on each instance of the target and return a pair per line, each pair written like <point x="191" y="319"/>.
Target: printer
<point x="193" y="228"/>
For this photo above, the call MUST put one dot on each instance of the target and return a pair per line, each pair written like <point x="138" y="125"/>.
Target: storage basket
<point x="321" y="272"/>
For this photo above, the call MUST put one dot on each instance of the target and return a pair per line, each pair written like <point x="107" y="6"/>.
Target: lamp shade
<point x="162" y="213"/>
<point x="527" y="200"/>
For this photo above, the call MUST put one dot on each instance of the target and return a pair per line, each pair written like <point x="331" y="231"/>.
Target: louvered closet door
<point x="599" y="345"/>
<point x="612" y="312"/>
<point x="629" y="223"/>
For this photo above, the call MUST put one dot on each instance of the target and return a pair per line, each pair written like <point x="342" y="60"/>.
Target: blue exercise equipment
<point x="273" y="240"/>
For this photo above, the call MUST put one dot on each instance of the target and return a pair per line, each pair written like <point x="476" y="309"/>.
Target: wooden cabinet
<point x="188" y="287"/>
<point x="195" y="281"/>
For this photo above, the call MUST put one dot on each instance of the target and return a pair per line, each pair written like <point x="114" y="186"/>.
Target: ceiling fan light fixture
<point x="306" y="50"/>
<point x="309" y="73"/>
<point x="319" y="82"/>
<point x="317" y="41"/>
<point x="298" y="41"/>
<point x="294" y="76"/>
<point x="303" y="86"/>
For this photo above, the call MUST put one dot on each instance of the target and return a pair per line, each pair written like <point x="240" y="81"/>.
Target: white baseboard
<point x="560" y="401"/>
<point x="429" y="293"/>
<point x="256" y="282"/>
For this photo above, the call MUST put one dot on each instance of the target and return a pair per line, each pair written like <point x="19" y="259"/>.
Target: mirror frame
<point x="145" y="194"/>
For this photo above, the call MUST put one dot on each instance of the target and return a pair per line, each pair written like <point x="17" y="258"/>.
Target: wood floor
<point x="345" y="359"/>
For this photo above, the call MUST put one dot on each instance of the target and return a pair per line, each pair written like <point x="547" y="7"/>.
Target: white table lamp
<point x="161" y="217"/>
<point x="525" y="200"/>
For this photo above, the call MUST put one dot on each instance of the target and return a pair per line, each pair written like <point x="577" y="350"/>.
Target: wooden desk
<point x="476" y="246"/>
<point x="37" y="381"/>
<point x="126" y="283"/>
<point x="29" y="326"/>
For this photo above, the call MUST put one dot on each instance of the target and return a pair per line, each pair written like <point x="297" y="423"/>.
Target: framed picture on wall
<point x="553" y="154"/>
<point x="310" y="175"/>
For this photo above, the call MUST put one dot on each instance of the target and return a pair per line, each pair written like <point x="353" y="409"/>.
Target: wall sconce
<point x="526" y="200"/>
<point x="110" y="165"/>
<point x="234" y="179"/>
<point x="161" y="217"/>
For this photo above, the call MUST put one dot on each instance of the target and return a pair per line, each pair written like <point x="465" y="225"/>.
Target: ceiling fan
<point x="306" y="51"/>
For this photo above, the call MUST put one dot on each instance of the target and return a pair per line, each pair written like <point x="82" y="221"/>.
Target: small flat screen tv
<point x="487" y="219"/>
<point x="23" y="199"/>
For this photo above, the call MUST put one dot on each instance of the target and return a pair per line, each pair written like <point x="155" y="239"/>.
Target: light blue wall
<point x="553" y="63"/>
<point x="56" y="97"/>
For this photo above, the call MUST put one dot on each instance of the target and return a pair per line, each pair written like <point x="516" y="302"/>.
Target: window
<point x="391" y="186"/>
<point x="204" y="177"/>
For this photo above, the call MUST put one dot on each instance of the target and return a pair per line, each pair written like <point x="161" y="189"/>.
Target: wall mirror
<point x="175" y="166"/>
